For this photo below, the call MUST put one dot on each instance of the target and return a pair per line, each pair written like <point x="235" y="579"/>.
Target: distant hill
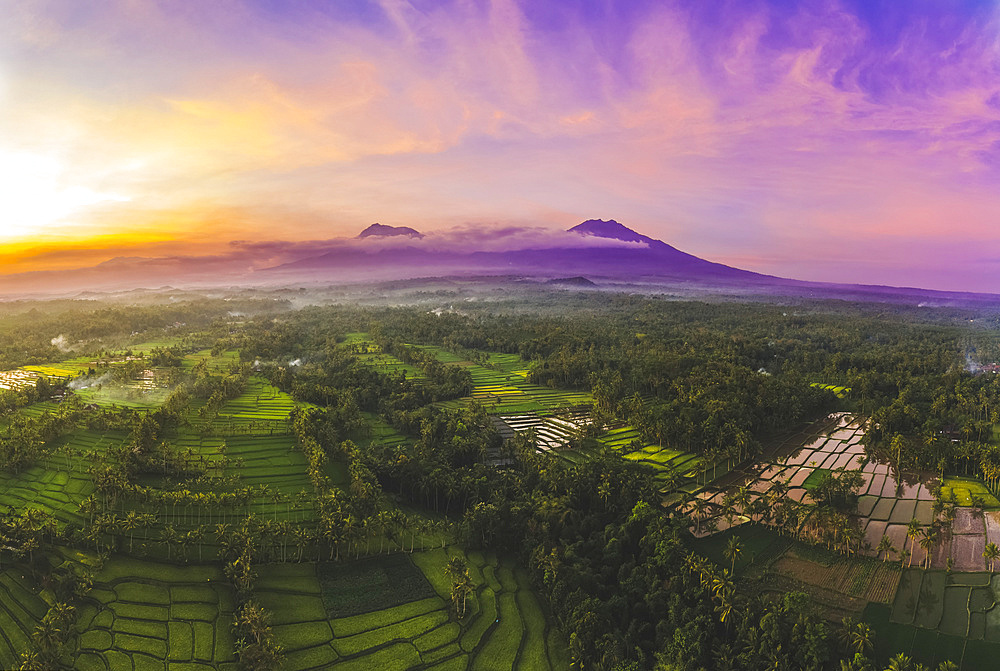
<point x="577" y="281"/>
<point x="381" y="230"/>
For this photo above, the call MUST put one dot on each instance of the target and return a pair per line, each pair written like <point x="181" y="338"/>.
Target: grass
<point x="21" y="609"/>
<point x="505" y="626"/>
<point x="371" y="584"/>
<point x="963" y="489"/>
<point x="815" y="478"/>
<point x="759" y="545"/>
<point x="839" y="392"/>
<point x="408" y="629"/>
<point x="357" y="624"/>
<point x="937" y="616"/>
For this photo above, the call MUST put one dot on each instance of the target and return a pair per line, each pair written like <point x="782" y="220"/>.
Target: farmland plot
<point x="404" y="619"/>
<point x="21" y="610"/>
<point x="146" y="615"/>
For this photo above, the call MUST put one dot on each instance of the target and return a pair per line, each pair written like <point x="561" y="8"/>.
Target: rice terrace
<point x="346" y="487"/>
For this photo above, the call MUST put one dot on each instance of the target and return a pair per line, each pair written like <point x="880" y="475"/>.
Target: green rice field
<point x="21" y="610"/>
<point x="141" y="614"/>
<point x="59" y="482"/>
<point x="838" y="391"/>
<point x="504" y="627"/>
<point x="962" y="490"/>
<point x="168" y="605"/>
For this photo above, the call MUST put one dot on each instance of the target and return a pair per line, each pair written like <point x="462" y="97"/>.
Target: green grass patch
<point x="500" y="648"/>
<point x="438" y="637"/>
<point x="486" y="618"/>
<point x="815" y="478"/>
<point x="397" y="657"/>
<point x="964" y="489"/>
<point x="407" y="629"/>
<point x="356" y="624"/>
<point x="533" y="654"/>
<point x="371" y="584"/>
<point x="319" y="657"/>
<point x="301" y="635"/>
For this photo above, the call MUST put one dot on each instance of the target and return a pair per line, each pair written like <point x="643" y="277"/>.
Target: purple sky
<point x="841" y="141"/>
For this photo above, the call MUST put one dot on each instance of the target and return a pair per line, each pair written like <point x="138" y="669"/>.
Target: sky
<point x="853" y="141"/>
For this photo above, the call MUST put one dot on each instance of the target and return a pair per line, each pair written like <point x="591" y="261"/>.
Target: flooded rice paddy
<point x="887" y="501"/>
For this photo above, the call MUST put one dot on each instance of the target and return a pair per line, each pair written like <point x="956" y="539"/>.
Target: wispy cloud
<point x="733" y="130"/>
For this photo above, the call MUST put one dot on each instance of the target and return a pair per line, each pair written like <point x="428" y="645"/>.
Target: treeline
<point x="712" y="377"/>
<point x="33" y="332"/>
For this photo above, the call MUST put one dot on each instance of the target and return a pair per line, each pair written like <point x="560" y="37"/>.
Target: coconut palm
<point x="991" y="554"/>
<point x="928" y="539"/>
<point x="129" y="523"/>
<point x="884" y="547"/>
<point x="457" y="571"/>
<point x="48" y="637"/>
<point x="900" y="663"/>
<point x="912" y="531"/>
<point x="699" y="508"/>
<point x="168" y="536"/>
<point x="860" y="639"/>
<point x="197" y="537"/>
<point x="732" y="551"/>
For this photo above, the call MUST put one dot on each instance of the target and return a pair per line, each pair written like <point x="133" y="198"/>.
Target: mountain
<point x="611" y="229"/>
<point x="594" y="247"/>
<point x="381" y="230"/>
<point x="595" y="254"/>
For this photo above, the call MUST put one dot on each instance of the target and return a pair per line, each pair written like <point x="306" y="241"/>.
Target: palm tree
<point x="457" y="571"/>
<point x="168" y="536"/>
<point x="464" y="587"/>
<point x="48" y="637"/>
<point x="912" y="531"/>
<point x="197" y="536"/>
<point x="724" y="590"/>
<point x="699" y="508"/>
<point x="928" y="539"/>
<point x="742" y="499"/>
<point x="900" y="663"/>
<point x="991" y="554"/>
<point x="861" y="639"/>
<point x="722" y="582"/>
<point x="884" y="547"/>
<point x="732" y="551"/>
<point x="130" y="522"/>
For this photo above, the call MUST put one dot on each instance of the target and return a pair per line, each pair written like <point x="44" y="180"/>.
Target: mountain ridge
<point x="386" y="231"/>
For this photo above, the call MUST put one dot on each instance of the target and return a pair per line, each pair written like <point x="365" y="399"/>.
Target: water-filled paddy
<point x="888" y="501"/>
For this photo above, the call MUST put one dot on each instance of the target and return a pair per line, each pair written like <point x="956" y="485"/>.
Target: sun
<point x="35" y="198"/>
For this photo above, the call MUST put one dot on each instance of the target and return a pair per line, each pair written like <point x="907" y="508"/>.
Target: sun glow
<point x="36" y="199"/>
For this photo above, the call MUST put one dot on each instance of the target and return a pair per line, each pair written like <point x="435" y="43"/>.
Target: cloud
<point x="764" y="126"/>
